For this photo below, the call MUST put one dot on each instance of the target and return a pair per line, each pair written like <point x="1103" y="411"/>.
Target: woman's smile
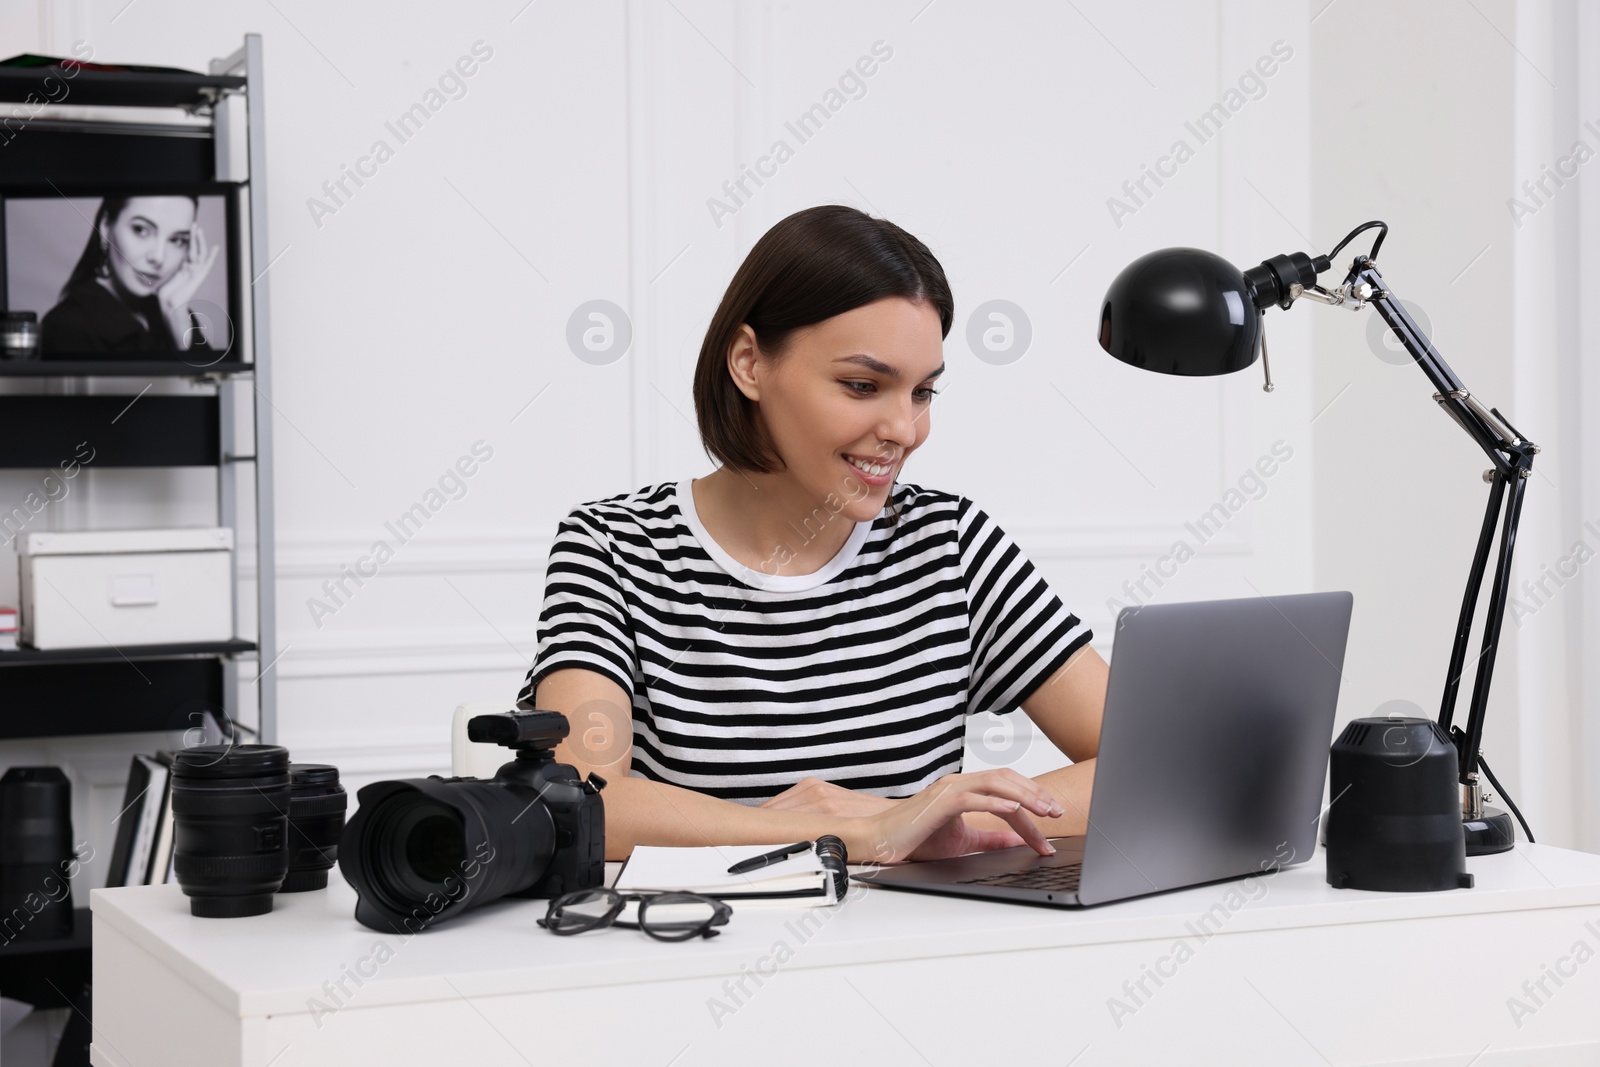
<point x="881" y="474"/>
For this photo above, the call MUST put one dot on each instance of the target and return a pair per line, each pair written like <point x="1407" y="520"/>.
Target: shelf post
<point x="249" y="58"/>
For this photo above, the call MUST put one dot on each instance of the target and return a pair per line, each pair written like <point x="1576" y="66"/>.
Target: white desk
<point x="1302" y="974"/>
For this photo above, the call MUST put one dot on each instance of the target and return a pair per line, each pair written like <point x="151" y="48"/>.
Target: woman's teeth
<point x="877" y="470"/>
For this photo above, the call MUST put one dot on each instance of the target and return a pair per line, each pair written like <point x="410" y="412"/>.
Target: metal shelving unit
<point x="135" y="689"/>
<point x="154" y="687"/>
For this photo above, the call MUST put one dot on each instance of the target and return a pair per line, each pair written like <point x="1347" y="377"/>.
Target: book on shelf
<point x="144" y="842"/>
<point x="161" y="852"/>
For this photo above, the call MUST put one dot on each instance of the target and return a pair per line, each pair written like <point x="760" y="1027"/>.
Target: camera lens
<point x="421" y="850"/>
<point x="317" y="803"/>
<point x="36" y="857"/>
<point x="417" y="845"/>
<point x="230" y="807"/>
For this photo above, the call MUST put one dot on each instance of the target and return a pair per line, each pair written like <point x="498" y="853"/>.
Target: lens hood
<point x="419" y="850"/>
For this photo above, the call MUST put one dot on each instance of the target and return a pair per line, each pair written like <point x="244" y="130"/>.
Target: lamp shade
<point x="1181" y="311"/>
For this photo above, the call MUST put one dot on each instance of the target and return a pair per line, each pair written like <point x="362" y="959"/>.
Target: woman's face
<point x="148" y="241"/>
<point x="858" y="386"/>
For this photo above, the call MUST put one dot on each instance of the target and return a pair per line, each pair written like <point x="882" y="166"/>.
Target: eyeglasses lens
<point x="676" y="916"/>
<point x="582" y="910"/>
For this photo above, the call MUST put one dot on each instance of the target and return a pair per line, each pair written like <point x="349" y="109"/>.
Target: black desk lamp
<point x="1187" y="311"/>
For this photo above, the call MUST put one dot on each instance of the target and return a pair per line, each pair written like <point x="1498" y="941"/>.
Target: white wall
<point x="432" y="308"/>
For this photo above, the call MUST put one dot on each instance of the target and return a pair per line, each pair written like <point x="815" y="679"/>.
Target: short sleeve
<point x="584" y="620"/>
<point x="1021" y="632"/>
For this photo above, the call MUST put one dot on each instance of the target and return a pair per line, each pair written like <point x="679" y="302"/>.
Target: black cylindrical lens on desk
<point x="317" y="805"/>
<point x="36" y="856"/>
<point x="230" y="809"/>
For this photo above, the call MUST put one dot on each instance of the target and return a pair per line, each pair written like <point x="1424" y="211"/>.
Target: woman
<point x="790" y="645"/>
<point x="131" y="289"/>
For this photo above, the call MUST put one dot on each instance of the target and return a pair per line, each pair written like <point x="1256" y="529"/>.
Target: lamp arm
<point x="1512" y="456"/>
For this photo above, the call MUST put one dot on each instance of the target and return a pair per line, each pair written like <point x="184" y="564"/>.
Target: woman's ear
<point x="743" y="354"/>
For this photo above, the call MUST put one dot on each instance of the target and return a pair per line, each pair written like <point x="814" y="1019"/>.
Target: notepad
<point x="802" y="880"/>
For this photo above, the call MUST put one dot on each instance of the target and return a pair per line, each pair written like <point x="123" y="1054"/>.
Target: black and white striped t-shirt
<point x="861" y="673"/>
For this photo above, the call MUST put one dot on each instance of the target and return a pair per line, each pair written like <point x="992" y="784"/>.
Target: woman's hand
<point x="814" y="794"/>
<point x="181" y="287"/>
<point x="929" y="826"/>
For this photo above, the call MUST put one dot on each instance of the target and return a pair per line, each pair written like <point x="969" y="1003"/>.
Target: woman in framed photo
<point x="132" y="288"/>
<point x="793" y="644"/>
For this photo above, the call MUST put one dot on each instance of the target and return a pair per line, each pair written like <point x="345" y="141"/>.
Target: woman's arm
<point x="1068" y="710"/>
<point x="641" y="811"/>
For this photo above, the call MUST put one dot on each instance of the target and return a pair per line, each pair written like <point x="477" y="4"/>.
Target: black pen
<point x="755" y="863"/>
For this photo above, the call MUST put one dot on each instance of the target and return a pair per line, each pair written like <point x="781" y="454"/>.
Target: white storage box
<point x="109" y="588"/>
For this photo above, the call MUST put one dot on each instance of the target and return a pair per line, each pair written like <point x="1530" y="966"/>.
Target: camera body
<point x="423" y="849"/>
<point x="576" y="812"/>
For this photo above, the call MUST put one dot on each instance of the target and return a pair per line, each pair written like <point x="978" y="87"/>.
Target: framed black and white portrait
<point x="131" y="274"/>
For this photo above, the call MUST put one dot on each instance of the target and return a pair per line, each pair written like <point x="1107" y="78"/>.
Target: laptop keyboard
<point x="1064" y="877"/>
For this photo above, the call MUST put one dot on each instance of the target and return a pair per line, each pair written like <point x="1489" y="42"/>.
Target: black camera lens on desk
<point x="423" y="849"/>
<point x="230" y="808"/>
<point x="317" y="804"/>
<point x="36" y="855"/>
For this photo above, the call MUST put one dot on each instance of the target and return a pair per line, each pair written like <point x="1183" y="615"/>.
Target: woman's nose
<point x="901" y="427"/>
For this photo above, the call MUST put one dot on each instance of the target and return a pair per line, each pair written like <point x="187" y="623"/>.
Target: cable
<point x="1383" y="232"/>
<point x="1512" y="804"/>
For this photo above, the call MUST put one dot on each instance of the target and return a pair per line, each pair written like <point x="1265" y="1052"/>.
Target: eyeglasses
<point x="665" y="916"/>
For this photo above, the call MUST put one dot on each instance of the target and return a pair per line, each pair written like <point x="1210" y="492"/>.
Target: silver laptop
<point x="1213" y="750"/>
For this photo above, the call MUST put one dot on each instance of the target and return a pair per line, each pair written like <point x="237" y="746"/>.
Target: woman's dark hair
<point x="93" y="261"/>
<point x="813" y="265"/>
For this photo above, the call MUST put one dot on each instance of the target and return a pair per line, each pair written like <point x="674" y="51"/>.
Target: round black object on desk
<point x="36" y="855"/>
<point x="317" y="804"/>
<point x="230" y="816"/>
<point x="1394" y="824"/>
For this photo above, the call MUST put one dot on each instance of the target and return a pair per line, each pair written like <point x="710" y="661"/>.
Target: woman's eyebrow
<point x="879" y="367"/>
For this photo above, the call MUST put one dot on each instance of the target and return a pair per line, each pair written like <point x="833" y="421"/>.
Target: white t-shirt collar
<point x="760" y="579"/>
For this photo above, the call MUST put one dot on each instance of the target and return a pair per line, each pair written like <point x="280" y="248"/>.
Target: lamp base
<point x="1490" y="833"/>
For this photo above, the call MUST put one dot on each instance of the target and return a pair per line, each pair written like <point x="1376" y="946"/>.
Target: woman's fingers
<point x="989" y="840"/>
<point x="1005" y="782"/>
<point x="1012" y="797"/>
<point x="1012" y="812"/>
<point x="930" y="825"/>
<point x="1029" y="831"/>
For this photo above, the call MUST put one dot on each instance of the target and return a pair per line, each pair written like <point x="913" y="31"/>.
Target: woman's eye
<point x="926" y="393"/>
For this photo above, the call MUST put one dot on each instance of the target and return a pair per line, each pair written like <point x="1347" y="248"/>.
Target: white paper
<point x="705" y="870"/>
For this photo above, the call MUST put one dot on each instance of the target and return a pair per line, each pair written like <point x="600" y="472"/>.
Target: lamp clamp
<point x="1351" y="295"/>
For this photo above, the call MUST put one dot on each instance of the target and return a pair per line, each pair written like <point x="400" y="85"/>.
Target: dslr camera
<point x="420" y="850"/>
